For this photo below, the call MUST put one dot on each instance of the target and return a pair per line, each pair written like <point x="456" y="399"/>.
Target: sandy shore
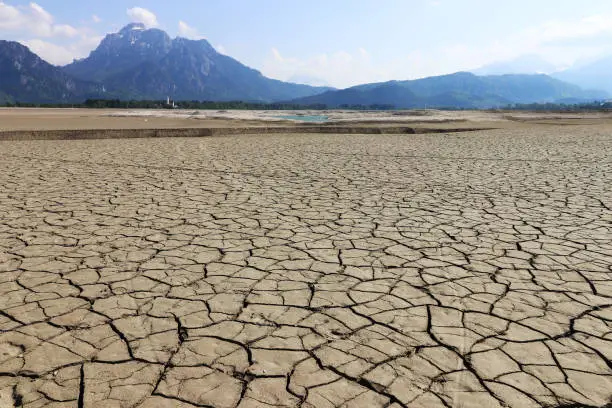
<point x="306" y="270"/>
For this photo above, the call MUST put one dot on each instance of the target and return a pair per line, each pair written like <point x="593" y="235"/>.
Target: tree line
<point x="242" y="105"/>
<point x="561" y="107"/>
<point x="163" y="104"/>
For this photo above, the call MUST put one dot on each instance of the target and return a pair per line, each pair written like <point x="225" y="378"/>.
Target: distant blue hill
<point x="595" y="75"/>
<point x="524" y="64"/>
<point x="458" y="90"/>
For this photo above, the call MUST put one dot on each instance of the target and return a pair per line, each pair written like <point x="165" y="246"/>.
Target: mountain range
<point x="458" y="90"/>
<point x="524" y="64"/>
<point x="141" y="63"/>
<point x="27" y="78"/>
<point x="595" y="74"/>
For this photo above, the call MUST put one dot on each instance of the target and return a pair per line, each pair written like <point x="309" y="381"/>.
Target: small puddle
<point x="305" y="118"/>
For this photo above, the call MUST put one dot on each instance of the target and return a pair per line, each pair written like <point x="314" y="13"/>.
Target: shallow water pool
<point x="305" y="118"/>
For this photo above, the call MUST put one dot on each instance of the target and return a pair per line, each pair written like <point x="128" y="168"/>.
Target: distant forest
<point x="241" y="105"/>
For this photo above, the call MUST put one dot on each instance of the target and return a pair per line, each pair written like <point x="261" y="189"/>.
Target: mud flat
<point x="284" y="270"/>
<point x="82" y="119"/>
<point x="35" y="119"/>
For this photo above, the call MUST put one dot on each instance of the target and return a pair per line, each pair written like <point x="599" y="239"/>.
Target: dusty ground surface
<point x="55" y="119"/>
<point x="446" y="270"/>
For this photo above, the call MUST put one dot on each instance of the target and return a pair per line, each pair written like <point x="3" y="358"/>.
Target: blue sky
<point x="339" y="42"/>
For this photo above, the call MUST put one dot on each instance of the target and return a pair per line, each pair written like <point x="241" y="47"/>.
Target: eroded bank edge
<point x="73" y="134"/>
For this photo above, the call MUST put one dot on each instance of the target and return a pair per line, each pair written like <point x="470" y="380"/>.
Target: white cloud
<point x="144" y="16"/>
<point x="36" y="28"/>
<point x="65" y="30"/>
<point x="586" y="27"/>
<point x="341" y="68"/>
<point x="61" y="54"/>
<point x="9" y="16"/>
<point x="186" y="31"/>
<point x="562" y="43"/>
<point x="96" y="19"/>
<point x="221" y="49"/>
<point x="40" y="13"/>
<point x="52" y="53"/>
<point x="559" y="42"/>
<point x="278" y="57"/>
<point x="32" y="20"/>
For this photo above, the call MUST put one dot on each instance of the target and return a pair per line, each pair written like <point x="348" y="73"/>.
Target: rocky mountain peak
<point x="136" y="35"/>
<point x="15" y="50"/>
<point x="132" y="27"/>
<point x="133" y="45"/>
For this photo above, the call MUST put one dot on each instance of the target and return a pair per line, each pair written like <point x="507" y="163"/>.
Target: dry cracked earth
<point x="451" y="270"/>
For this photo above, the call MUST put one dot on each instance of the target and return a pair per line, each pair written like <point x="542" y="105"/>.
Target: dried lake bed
<point x="317" y="270"/>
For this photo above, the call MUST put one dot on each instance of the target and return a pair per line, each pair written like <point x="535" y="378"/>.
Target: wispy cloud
<point x="36" y="28"/>
<point x="32" y="20"/>
<point x="561" y="42"/>
<point x="584" y="28"/>
<point x="341" y="68"/>
<point x="185" y="30"/>
<point x="142" y="15"/>
<point x="61" y="54"/>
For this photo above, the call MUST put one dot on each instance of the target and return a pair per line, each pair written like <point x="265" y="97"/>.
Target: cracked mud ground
<point x="459" y="270"/>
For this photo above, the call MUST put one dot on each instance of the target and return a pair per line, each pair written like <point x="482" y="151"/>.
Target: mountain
<point x="146" y="64"/>
<point x="459" y="90"/>
<point x="27" y="78"/>
<point x="122" y="51"/>
<point x="308" y="80"/>
<point x="525" y="64"/>
<point x="595" y="75"/>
